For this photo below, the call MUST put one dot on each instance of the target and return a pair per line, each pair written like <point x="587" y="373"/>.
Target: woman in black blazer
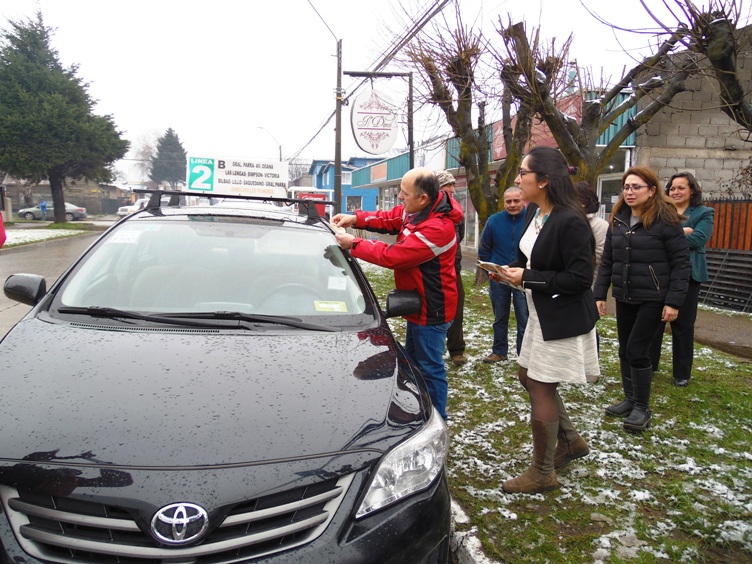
<point x="555" y="268"/>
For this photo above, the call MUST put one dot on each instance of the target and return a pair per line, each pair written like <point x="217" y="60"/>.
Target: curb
<point x="464" y="546"/>
<point x="27" y="246"/>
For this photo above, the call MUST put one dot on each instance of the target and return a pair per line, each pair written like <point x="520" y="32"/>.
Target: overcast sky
<point x="217" y="71"/>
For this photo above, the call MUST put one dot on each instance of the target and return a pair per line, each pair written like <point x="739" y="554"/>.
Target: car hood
<point x="185" y="398"/>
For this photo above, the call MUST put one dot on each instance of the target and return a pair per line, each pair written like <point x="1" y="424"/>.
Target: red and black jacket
<point x="422" y="257"/>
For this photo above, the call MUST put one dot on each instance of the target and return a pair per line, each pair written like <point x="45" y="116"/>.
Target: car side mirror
<point x="402" y="302"/>
<point x="28" y="289"/>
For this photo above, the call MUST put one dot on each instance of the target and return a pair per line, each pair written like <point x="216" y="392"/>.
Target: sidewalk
<point x="726" y="331"/>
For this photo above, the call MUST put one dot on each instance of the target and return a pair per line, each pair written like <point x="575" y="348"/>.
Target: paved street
<point x="49" y="259"/>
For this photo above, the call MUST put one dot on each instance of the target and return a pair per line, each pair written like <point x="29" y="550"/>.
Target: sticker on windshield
<point x="123" y="236"/>
<point x="334" y="307"/>
<point x="337" y="283"/>
<point x="131" y="236"/>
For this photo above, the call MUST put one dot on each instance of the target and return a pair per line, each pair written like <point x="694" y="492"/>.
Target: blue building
<point x="353" y="198"/>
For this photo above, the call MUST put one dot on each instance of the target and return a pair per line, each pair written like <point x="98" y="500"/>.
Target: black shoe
<point x="638" y="420"/>
<point x="622" y="409"/>
<point x="681" y="383"/>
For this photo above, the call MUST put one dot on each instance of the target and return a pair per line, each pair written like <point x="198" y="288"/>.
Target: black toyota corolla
<point x="225" y="388"/>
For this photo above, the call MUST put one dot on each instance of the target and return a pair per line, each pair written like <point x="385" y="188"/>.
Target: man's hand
<point x="345" y="240"/>
<point x="344" y="220"/>
<point x="496" y="277"/>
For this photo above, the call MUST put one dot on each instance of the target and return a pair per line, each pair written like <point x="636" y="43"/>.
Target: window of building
<point x="347" y="178"/>
<point x="619" y="162"/>
<point x="354" y="202"/>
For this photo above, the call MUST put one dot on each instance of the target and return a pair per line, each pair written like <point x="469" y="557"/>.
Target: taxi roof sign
<point x="228" y="176"/>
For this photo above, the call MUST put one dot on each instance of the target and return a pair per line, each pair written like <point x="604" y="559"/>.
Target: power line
<point x="412" y="32"/>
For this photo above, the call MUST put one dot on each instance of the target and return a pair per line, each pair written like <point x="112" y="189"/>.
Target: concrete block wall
<point x="693" y="134"/>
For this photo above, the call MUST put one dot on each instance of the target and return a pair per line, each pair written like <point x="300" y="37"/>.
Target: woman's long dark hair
<point x="549" y="164"/>
<point x="588" y="196"/>
<point x="695" y="197"/>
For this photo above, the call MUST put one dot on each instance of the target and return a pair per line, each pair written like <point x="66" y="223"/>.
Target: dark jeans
<point x="682" y="335"/>
<point x="455" y="335"/>
<point x="501" y="298"/>
<point x="637" y="325"/>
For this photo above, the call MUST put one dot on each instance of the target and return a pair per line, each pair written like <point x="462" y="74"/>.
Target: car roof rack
<point x="306" y="207"/>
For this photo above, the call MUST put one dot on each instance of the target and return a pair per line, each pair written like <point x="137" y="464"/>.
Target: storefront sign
<point x="374" y="122"/>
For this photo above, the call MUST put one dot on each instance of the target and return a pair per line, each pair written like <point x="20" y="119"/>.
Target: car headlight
<point x="410" y="467"/>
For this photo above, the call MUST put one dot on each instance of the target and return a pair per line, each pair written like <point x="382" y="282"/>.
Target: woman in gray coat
<point x="646" y="260"/>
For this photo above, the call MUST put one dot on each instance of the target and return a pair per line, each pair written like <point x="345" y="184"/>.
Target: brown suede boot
<point x="570" y="445"/>
<point x="541" y="476"/>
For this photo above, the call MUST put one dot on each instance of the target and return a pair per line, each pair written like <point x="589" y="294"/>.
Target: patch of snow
<point x="23" y="236"/>
<point x="737" y="531"/>
<point x="638" y="495"/>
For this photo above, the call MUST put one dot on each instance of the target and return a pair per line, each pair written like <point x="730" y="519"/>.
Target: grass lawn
<point x="680" y="492"/>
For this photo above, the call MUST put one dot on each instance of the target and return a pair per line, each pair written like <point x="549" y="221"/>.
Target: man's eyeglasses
<point x="523" y="172"/>
<point x="633" y="187"/>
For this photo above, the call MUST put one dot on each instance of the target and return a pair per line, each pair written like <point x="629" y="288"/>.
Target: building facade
<point x="692" y="133"/>
<point x="354" y="197"/>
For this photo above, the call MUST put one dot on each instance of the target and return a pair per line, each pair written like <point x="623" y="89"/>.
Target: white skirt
<point x="573" y="360"/>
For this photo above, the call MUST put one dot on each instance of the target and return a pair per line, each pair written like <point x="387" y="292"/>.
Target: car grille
<point x="60" y="529"/>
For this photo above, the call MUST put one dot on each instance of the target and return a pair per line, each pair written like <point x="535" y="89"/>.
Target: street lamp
<point x="275" y="140"/>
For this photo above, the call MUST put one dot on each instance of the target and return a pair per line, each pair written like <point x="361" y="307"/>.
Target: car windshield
<point x="204" y="264"/>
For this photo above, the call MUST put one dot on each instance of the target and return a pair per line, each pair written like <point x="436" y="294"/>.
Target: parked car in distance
<point x="130" y="208"/>
<point x="72" y="212"/>
<point x="225" y="388"/>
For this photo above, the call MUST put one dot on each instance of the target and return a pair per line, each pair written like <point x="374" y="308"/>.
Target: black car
<point x="225" y="388"/>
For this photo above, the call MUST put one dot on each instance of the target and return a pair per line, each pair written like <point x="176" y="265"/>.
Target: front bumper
<point x="415" y="530"/>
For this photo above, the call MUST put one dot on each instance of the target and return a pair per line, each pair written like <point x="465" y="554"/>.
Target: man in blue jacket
<point x="498" y="244"/>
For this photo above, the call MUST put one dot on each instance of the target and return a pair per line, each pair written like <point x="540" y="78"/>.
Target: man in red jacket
<point x="422" y="260"/>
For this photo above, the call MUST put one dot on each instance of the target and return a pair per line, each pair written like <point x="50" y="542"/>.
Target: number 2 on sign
<point x="204" y="173"/>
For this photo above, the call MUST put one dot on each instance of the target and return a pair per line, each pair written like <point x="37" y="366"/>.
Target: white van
<point x="129" y="209"/>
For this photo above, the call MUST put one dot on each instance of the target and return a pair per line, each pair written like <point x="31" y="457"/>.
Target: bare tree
<point x="144" y="152"/>
<point x="711" y="32"/>
<point x="653" y="82"/>
<point x="297" y="168"/>
<point x="447" y="58"/>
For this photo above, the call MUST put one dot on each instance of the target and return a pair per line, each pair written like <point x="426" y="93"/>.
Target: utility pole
<point x="409" y="75"/>
<point x="275" y="140"/>
<point x="338" y="135"/>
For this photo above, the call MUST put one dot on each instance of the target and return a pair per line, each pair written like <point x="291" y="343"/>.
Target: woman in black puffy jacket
<point x="646" y="260"/>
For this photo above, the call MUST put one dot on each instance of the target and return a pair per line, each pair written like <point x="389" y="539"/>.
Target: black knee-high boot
<point x="623" y="408"/>
<point x="639" y="419"/>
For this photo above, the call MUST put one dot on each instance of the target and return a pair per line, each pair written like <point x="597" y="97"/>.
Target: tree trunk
<point x="58" y="198"/>
<point x="722" y="54"/>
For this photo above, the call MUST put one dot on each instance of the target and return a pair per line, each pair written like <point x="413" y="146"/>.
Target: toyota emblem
<point x="179" y="523"/>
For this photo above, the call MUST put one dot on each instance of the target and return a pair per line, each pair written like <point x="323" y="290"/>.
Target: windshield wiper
<point x="193" y="318"/>
<point x="256" y="318"/>
<point x="111" y="312"/>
